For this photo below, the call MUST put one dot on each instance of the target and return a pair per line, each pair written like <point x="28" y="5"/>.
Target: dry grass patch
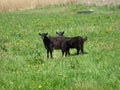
<point x="29" y="4"/>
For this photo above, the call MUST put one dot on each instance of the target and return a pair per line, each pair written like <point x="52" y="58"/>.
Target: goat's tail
<point x="85" y="39"/>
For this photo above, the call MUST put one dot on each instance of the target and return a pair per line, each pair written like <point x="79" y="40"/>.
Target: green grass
<point x="23" y="62"/>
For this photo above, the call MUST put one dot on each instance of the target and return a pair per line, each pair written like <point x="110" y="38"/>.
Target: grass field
<point x="23" y="62"/>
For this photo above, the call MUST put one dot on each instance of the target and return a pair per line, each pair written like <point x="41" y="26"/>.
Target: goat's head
<point x="60" y="33"/>
<point x="43" y="35"/>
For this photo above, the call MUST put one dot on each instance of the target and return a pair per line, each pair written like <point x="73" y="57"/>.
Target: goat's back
<point x="75" y="42"/>
<point x="57" y="41"/>
<point x="72" y="42"/>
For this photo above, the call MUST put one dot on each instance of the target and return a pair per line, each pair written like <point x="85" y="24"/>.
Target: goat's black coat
<point x="73" y="42"/>
<point x="57" y="41"/>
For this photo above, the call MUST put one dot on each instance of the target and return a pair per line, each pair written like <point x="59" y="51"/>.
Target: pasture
<point x="23" y="61"/>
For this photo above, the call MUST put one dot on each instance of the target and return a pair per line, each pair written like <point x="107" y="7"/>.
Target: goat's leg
<point x="82" y="48"/>
<point x="68" y="51"/>
<point x="47" y="53"/>
<point x="51" y="54"/>
<point x="78" y="51"/>
<point x="62" y="53"/>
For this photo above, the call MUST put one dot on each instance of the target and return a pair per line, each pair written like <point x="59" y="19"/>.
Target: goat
<point x="60" y="34"/>
<point x="47" y="43"/>
<point x="52" y="43"/>
<point x="73" y="42"/>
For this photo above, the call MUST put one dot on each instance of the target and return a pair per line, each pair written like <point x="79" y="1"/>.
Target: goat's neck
<point x="46" y="41"/>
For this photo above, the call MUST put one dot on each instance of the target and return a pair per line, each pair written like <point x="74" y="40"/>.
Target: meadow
<point x="23" y="61"/>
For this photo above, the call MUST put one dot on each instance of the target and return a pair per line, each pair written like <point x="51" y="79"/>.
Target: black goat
<point x="47" y="43"/>
<point x="52" y="43"/>
<point x="73" y="42"/>
<point x="60" y="34"/>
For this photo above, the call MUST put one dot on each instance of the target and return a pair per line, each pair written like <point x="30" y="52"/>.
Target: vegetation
<point x="29" y="4"/>
<point x="10" y="5"/>
<point x="23" y="61"/>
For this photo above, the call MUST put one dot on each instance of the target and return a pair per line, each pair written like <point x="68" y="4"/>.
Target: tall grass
<point x="29" y="4"/>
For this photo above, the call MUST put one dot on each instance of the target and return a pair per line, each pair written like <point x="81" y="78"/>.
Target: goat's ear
<point x="56" y="32"/>
<point x="40" y="34"/>
<point x="46" y="33"/>
<point x="63" y="32"/>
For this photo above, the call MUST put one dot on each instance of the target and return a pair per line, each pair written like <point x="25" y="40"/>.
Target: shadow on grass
<point x="78" y="54"/>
